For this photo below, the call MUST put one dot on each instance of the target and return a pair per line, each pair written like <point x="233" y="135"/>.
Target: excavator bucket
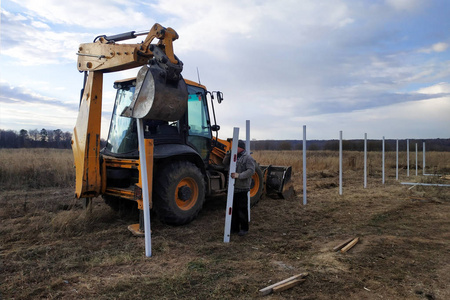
<point x="156" y="97"/>
<point x="278" y="181"/>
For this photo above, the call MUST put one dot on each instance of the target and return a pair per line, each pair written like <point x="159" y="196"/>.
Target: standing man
<point x="245" y="168"/>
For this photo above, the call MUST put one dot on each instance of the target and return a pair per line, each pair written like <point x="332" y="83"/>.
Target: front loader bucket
<point x="157" y="98"/>
<point x="278" y="181"/>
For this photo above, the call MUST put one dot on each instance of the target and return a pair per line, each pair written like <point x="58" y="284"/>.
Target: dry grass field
<point x="22" y="169"/>
<point x="51" y="248"/>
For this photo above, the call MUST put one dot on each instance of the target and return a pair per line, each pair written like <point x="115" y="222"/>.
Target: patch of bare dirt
<point x="52" y="248"/>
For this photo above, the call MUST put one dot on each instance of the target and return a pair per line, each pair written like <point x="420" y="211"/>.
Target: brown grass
<point x="436" y="162"/>
<point x="36" y="168"/>
<point x="51" y="248"/>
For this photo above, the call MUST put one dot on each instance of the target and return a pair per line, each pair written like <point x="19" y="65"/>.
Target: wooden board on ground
<point x="287" y="285"/>
<point x="269" y="289"/>
<point x="350" y="245"/>
<point x="341" y="245"/>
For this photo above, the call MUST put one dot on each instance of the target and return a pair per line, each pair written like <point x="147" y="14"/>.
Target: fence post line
<point x="247" y="148"/>
<point x="304" y="165"/>
<point x="416" y="159"/>
<point x="423" y="158"/>
<point x="340" y="162"/>
<point x="396" y="161"/>
<point x="365" y="160"/>
<point x="407" y="157"/>
<point x="383" y="161"/>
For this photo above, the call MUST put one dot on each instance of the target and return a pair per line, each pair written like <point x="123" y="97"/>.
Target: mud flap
<point x="278" y="181"/>
<point x="156" y="97"/>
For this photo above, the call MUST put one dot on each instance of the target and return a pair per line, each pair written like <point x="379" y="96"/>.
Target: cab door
<point x="198" y="120"/>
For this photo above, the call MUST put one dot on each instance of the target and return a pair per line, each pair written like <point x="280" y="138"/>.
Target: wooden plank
<point x="350" y="245"/>
<point x="341" y="245"/>
<point x="287" y="285"/>
<point x="267" y="290"/>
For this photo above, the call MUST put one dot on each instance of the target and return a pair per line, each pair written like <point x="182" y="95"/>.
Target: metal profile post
<point x="230" y="194"/>
<point x="423" y="158"/>
<point x="304" y="165"/>
<point x="407" y="157"/>
<point x="396" y="161"/>
<point x="365" y="160"/>
<point x="340" y="162"/>
<point x="383" y="147"/>
<point x="145" y="187"/>
<point x="247" y="148"/>
<point x="416" y="159"/>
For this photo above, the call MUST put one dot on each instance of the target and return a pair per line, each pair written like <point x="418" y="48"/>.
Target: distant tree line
<point x="35" y="138"/>
<point x="352" y="145"/>
<point x="59" y="139"/>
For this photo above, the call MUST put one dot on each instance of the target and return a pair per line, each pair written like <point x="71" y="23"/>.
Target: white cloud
<point x="346" y="22"/>
<point x="415" y="119"/>
<point x="38" y="24"/>
<point x="17" y="17"/>
<point x="406" y="5"/>
<point x="32" y="44"/>
<point x="50" y="48"/>
<point x="438" y="47"/>
<point x="440" y="88"/>
<point x="88" y="14"/>
<point x="223" y="27"/>
<point x="22" y="94"/>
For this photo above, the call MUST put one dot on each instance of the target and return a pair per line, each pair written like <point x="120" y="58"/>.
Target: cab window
<point x="198" y="120"/>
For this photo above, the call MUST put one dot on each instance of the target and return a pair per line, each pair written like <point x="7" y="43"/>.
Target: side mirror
<point x="219" y="97"/>
<point x="215" y="128"/>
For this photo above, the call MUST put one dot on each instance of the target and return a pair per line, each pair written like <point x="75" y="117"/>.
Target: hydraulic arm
<point x="161" y="93"/>
<point x="105" y="55"/>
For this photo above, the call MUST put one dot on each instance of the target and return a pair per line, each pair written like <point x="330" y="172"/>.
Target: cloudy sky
<point x="380" y="67"/>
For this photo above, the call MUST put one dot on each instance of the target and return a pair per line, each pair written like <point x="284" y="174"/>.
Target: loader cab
<point x="193" y="129"/>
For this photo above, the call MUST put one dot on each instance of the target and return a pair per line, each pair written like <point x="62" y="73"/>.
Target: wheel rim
<point x="186" y="200"/>
<point x="255" y="185"/>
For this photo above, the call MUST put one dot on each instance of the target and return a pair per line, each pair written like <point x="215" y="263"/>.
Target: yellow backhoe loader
<point x="187" y="158"/>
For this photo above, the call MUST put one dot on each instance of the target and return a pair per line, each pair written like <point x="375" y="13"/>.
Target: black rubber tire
<point x="256" y="187"/>
<point x="168" y="181"/>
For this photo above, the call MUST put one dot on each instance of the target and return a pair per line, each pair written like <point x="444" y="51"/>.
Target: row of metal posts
<point x="383" y="160"/>
<point x="146" y="189"/>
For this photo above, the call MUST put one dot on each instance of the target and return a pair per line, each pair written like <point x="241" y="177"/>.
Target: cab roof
<point x="189" y="82"/>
